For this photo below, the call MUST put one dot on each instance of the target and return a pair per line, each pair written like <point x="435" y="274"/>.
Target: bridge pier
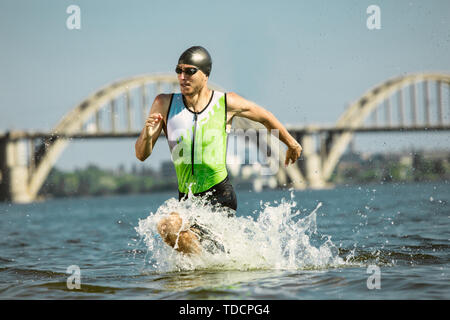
<point x="14" y="173"/>
<point x="312" y="163"/>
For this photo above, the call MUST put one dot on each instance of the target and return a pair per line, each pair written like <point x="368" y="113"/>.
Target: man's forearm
<point x="247" y="109"/>
<point x="143" y="146"/>
<point x="273" y="124"/>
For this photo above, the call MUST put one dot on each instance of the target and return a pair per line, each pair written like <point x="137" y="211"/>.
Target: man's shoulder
<point x="233" y="99"/>
<point x="162" y="97"/>
<point x="163" y="100"/>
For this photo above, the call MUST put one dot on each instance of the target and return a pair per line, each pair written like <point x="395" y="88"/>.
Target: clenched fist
<point x="153" y="122"/>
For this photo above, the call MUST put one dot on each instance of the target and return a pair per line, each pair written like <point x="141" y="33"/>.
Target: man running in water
<point x="194" y="122"/>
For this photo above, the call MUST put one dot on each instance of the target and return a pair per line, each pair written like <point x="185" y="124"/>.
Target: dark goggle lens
<point x="188" y="71"/>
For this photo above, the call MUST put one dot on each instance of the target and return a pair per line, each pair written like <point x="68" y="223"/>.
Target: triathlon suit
<point x="198" y="146"/>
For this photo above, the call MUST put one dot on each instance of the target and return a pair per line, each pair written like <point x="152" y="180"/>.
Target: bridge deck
<point x="16" y="135"/>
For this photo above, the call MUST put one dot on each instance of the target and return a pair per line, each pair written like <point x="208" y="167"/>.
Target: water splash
<point x="277" y="237"/>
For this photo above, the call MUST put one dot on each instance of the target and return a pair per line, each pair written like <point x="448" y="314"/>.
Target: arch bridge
<point x="415" y="102"/>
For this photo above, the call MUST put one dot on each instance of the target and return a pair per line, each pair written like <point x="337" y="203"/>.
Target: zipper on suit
<point x="193" y="142"/>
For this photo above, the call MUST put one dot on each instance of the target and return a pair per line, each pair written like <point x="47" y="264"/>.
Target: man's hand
<point x="292" y="154"/>
<point x="152" y="123"/>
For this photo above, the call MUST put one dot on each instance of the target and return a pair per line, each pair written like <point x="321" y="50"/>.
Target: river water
<point x="380" y="241"/>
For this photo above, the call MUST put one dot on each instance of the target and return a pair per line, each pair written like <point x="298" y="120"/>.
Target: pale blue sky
<point x="302" y="60"/>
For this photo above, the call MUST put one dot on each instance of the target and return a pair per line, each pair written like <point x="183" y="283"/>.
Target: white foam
<point x="278" y="237"/>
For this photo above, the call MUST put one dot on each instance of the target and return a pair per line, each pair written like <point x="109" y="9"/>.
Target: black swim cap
<point x="199" y="57"/>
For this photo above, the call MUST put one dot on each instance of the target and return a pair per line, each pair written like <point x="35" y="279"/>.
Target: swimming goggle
<point x="189" y="71"/>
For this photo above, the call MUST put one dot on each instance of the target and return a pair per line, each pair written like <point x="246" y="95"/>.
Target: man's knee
<point x="170" y="230"/>
<point x="169" y="227"/>
<point x="188" y="242"/>
<point x="170" y="224"/>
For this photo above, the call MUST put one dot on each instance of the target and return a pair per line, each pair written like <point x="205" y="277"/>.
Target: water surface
<point x="314" y="244"/>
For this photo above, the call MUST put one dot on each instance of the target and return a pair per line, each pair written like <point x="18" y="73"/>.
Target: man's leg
<point x="185" y="241"/>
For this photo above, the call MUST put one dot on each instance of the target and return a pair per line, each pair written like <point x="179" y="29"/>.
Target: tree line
<point x="95" y="181"/>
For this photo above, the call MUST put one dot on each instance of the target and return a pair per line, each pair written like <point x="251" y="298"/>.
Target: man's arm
<point x="241" y="107"/>
<point x="153" y="126"/>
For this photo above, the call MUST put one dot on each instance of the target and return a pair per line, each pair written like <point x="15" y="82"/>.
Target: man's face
<point x="191" y="84"/>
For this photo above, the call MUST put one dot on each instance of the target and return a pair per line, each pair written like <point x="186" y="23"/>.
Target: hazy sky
<point x="302" y="60"/>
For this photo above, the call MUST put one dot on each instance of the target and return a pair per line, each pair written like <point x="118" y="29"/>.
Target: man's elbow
<point x="142" y="159"/>
<point x="140" y="156"/>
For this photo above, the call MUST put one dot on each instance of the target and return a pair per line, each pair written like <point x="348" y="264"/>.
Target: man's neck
<point x="197" y="102"/>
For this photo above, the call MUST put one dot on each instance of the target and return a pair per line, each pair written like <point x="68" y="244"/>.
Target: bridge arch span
<point x="361" y="109"/>
<point x="314" y="171"/>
